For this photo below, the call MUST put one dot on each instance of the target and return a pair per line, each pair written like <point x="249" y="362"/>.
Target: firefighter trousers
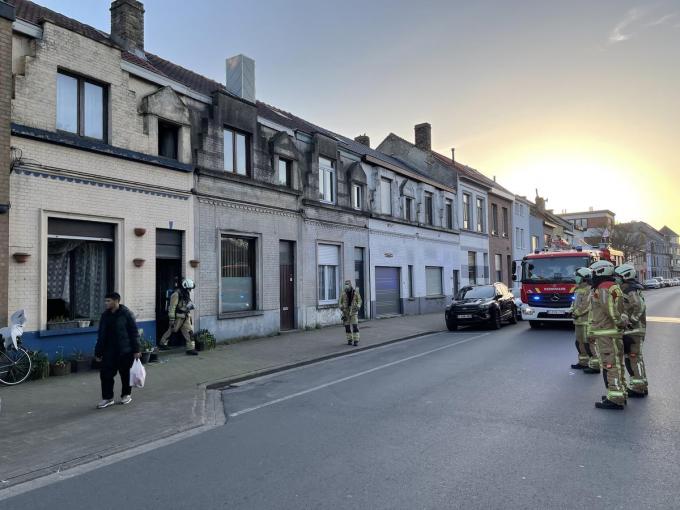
<point x="183" y="325"/>
<point x="611" y="357"/>
<point x="635" y="364"/>
<point x="593" y="351"/>
<point x="582" y="346"/>
<point x="351" y="327"/>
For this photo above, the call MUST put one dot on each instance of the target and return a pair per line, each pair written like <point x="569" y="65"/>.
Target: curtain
<point x="58" y="268"/>
<point x="90" y="279"/>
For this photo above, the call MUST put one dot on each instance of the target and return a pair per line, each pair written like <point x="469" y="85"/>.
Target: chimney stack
<point x="424" y="136"/>
<point x="127" y="25"/>
<point x="241" y="77"/>
<point x="453" y="155"/>
<point x="363" y="140"/>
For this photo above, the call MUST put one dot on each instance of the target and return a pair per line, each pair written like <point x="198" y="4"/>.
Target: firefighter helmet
<point x="583" y="273"/>
<point x="626" y="271"/>
<point x="602" y="268"/>
<point x="188" y="284"/>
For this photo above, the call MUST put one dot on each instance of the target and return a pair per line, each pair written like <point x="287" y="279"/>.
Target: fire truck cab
<point x="547" y="282"/>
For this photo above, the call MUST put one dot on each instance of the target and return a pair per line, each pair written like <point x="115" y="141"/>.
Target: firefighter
<point x="350" y="303"/>
<point x="607" y="327"/>
<point x="179" y="313"/>
<point x="580" y="312"/>
<point x="634" y="336"/>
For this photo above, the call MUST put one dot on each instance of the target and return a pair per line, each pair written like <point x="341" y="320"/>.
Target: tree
<point x="629" y="239"/>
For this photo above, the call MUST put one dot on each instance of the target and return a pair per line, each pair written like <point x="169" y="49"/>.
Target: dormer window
<point x="357" y="197"/>
<point x="326" y="180"/>
<point x="168" y="139"/>
<point x="81" y="106"/>
<point x="236" y="152"/>
<point x="284" y="173"/>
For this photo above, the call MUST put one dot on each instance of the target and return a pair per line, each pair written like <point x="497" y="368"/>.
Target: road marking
<point x="350" y="377"/>
<point x="669" y="320"/>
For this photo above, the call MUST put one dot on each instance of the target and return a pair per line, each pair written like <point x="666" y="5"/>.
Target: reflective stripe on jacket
<point x="582" y="304"/>
<point x="635" y="307"/>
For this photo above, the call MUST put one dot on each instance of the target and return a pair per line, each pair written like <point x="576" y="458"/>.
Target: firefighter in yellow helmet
<point x="607" y="327"/>
<point x="179" y="313"/>
<point x="634" y="336"/>
<point x="580" y="312"/>
<point x="350" y="304"/>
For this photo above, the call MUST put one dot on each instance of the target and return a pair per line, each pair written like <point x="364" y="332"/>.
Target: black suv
<point x="483" y="304"/>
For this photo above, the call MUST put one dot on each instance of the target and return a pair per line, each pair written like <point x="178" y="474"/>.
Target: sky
<point x="577" y="99"/>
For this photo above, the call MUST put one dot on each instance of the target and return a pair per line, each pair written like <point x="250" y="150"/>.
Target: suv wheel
<point x="496" y="322"/>
<point x="513" y="317"/>
<point x="451" y="325"/>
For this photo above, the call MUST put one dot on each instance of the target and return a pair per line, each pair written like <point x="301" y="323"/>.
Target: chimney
<point x="453" y="155"/>
<point x="241" y="77"/>
<point x="363" y="140"/>
<point x="424" y="136"/>
<point x="127" y="25"/>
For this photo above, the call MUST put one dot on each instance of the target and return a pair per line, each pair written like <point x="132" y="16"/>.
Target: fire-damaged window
<point x="80" y="269"/>
<point x="237" y="283"/>
<point x="168" y="139"/>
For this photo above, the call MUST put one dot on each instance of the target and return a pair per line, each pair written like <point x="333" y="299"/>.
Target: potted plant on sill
<point x="79" y="362"/>
<point x="60" y="366"/>
<point x="147" y="349"/>
<point x="61" y="322"/>
<point x="204" y="340"/>
<point x="40" y="365"/>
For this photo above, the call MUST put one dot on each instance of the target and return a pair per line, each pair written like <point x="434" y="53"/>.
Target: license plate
<point x="465" y="316"/>
<point x="555" y="312"/>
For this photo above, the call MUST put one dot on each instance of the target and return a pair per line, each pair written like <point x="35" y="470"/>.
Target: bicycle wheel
<point x="15" y="366"/>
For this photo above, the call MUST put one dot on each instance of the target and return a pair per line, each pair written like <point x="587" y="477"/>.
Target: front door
<point x="287" y="284"/>
<point x="168" y="274"/>
<point x="359" y="277"/>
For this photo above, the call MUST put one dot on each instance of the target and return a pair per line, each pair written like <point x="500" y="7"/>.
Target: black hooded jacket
<point x="118" y="333"/>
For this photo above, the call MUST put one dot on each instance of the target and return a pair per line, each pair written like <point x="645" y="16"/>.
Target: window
<point x="284" y="173"/>
<point x="498" y="266"/>
<point x="449" y="213"/>
<point x="518" y="239"/>
<point x="168" y="138"/>
<point x="385" y="196"/>
<point x="80" y="268"/>
<point x="494" y="219"/>
<point x="472" y="267"/>
<point x="81" y="106"/>
<point x="328" y="276"/>
<point x="480" y="215"/>
<point x="408" y="209"/>
<point x="534" y="243"/>
<point x="237" y="283"/>
<point x="410" y="282"/>
<point x="428" y="209"/>
<point x="236" y="152"/>
<point x="486" y="266"/>
<point x="326" y="180"/>
<point x="467" y="211"/>
<point x="433" y="281"/>
<point x="506" y="223"/>
<point x="521" y="238"/>
<point x="519" y="210"/>
<point x="357" y="197"/>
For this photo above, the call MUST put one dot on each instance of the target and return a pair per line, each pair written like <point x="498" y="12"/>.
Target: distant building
<point x="590" y="226"/>
<point x="673" y="245"/>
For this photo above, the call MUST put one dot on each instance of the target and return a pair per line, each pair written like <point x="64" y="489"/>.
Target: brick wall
<point x="5" y="105"/>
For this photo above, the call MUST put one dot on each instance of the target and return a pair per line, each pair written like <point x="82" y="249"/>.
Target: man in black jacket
<point x="117" y="347"/>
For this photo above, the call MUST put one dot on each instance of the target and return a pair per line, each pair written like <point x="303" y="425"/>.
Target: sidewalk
<point x="51" y="425"/>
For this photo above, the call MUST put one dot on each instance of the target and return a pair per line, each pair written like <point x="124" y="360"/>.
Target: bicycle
<point x="15" y="365"/>
<point x="15" y="362"/>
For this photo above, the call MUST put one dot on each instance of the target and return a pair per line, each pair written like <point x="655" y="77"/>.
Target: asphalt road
<point x="473" y="419"/>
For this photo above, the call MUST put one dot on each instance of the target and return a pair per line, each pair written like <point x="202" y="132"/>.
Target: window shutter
<point x="329" y="255"/>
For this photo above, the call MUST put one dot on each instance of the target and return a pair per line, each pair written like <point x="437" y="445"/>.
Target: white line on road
<point x="349" y="377"/>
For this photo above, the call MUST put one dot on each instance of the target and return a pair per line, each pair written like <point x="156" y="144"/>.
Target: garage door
<point x="387" y="295"/>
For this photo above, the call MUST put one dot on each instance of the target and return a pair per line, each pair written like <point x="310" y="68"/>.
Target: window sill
<point x="239" y="315"/>
<point x="440" y="296"/>
<point x="325" y="306"/>
<point x="68" y="331"/>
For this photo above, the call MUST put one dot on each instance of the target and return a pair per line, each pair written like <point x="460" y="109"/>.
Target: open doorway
<point x="168" y="274"/>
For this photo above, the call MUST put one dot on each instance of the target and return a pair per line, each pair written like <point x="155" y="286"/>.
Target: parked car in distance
<point x="652" y="283"/>
<point x="482" y="304"/>
<point x="676" y="282"/>
<point x="660" y="280"/>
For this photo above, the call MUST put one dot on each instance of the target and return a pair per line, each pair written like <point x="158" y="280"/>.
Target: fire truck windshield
<point x="552" y="269"/>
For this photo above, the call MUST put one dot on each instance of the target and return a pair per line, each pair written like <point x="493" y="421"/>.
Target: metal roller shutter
<point x="387" y="291"/>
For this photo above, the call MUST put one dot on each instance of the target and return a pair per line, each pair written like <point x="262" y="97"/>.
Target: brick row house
<point x="127" y="172"/>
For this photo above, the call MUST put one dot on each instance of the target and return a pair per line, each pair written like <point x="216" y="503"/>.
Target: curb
<point x="221" y="385"/>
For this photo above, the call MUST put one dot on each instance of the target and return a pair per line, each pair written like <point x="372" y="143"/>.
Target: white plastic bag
<point x="137" y="374"/>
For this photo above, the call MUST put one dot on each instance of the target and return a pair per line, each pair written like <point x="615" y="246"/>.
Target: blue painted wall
<point x="52" y="342"/>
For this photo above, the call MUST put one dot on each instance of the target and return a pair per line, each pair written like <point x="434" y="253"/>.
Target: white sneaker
<point x="105" y="403"/>
<point x="126" y="399"/>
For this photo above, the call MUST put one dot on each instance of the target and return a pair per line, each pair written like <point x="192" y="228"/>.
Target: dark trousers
<point x="111" y="365"/>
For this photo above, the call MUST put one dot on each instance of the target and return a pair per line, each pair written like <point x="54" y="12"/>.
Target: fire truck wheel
<point x="535" y="324"/>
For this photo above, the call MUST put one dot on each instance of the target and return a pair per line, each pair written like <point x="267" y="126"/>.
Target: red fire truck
<point x="547" y="281"/>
